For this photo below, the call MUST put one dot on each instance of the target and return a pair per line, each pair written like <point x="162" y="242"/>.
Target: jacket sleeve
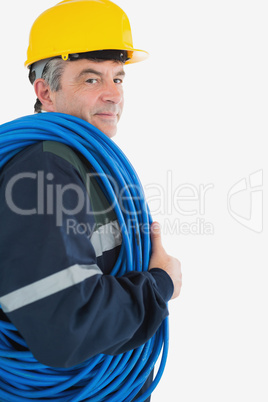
<point x="51" y="286"/>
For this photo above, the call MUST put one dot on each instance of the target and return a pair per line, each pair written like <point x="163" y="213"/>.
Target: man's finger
<point x="156" y="234"/>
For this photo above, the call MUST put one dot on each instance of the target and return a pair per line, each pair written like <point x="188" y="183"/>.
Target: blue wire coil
<point x="102" y="377"/>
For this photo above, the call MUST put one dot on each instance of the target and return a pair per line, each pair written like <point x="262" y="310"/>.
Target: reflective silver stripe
<point x="48" y="286"/>
<point x="106" y="238"/>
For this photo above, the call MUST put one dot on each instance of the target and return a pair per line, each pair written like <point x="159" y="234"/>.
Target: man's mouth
<point x="107" y="115"/>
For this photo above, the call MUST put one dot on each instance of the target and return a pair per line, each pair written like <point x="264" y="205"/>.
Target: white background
<point x="195" y="115"/>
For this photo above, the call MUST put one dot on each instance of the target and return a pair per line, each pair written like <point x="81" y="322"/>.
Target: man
<point x="101" y="314"/>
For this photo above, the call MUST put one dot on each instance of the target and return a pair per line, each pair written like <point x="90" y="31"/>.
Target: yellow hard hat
<point x="79" y="26"/>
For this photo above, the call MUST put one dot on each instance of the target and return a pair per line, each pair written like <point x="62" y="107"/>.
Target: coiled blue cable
<point x="102" y="377"/>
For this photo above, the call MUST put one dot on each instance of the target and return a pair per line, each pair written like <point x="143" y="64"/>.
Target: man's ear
<point x="43" y="93"/>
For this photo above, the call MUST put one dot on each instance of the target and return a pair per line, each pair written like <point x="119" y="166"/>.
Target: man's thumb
<point x="155" y="234"/>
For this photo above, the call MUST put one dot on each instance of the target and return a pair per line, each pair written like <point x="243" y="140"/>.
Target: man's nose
<point x="112" y="92"/>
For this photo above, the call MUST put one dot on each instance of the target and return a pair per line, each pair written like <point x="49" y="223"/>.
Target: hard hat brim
<point x="135" y="56"/>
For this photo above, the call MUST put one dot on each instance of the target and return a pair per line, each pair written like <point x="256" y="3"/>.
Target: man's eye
<point x="118" y="81"/>
<point x="92" y="80"/>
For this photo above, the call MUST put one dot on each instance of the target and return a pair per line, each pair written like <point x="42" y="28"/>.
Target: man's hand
<point x="160" y="259"/>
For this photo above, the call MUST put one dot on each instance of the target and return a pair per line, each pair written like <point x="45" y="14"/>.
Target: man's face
<point x="92" y="91"/>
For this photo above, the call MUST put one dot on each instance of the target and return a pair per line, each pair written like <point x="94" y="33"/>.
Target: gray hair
<point x="52" y="74"/>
